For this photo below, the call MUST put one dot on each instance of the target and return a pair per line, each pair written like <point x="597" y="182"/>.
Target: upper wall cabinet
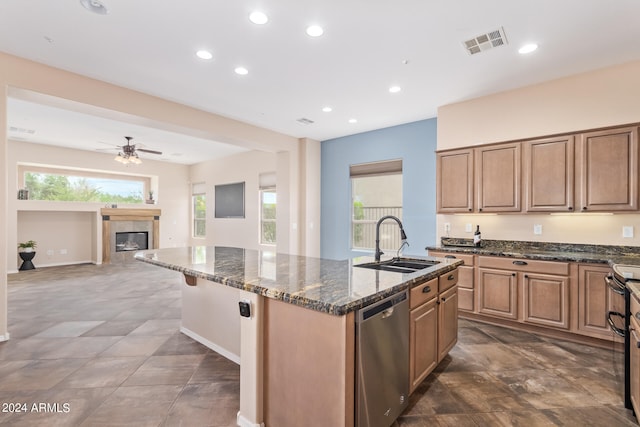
<point x="498" y="177"/>
<point x="454" y="190"/>
<point x="608" y="170"/>
<point x="549" y="174"/>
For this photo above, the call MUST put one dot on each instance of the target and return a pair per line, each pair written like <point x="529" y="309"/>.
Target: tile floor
<point x="99" y="346"/>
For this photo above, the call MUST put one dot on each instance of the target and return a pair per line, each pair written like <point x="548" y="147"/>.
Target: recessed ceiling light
<point x="395" y="89"/>
<point x="315" y="30"/>
<point x="258" y="18"/>
<point x="353" y="121"/>
<point x="327" y="109"/>
<point x="242" y="71"/>
<point x="94" y="6"/>
<point x="204" y="54"/>
<point x="528" y="48"/>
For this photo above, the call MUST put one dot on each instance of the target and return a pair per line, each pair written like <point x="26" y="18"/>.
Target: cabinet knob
<point x="520" y="263"/>
<point x="513" y="274"/>
<point x="584" y="208"/>
<point x="526" y="276"/>
<point x="570" y="208"/>
<point x="451" y="277"/>
<point x="426" y="289"/>
<point x="480" y="210"/>
<point x="470" y="210"/>
<point x="450" y="256"/>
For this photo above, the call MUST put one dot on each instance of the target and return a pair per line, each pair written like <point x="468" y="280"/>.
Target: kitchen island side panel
<point x="309" y="367"/>
<point x="210" y="316"/>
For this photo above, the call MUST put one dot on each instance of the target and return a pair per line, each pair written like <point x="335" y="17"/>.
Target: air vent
<point x="304" y="121"/>
<point x="21" y="130"/>
<point x="486" y="41"/>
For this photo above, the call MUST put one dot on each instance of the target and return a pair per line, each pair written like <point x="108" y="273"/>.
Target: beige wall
<point x="36" y="82"/>
<point x="243" y="167"/>
<point x="605" y="97"/>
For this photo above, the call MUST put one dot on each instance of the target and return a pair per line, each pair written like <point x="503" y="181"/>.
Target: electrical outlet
<point x="627" y="231"/>
<point x="63" y="251"/>
<point x="537" y="228"/>
<point x="50" y="252"/>
<point x="468" y="228"/>
<point x="447" y="228"/>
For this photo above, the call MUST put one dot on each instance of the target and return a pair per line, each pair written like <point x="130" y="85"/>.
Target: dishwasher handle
<point x="386" y="307"/>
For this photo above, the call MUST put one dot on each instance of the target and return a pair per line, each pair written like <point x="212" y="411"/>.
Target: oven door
<point x="616" y="316"/>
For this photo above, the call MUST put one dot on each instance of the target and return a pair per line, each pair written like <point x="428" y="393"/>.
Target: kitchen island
<point x="296" y="349"/>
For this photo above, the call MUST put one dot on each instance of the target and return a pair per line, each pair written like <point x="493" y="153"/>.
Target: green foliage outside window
<point x="44" y="186"/>
<point x="268" y="217"/>
<point x="199" y="215"/>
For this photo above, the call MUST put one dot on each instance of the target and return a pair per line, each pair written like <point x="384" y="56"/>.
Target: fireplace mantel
<point x="118" y="214"/>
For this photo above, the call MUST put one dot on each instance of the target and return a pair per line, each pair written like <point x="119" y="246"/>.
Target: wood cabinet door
<point x="608" y="162"/>
<point x="595" y="299"/>
<point x="447" y="321"/>
<point x="497" y="293"/>
<point x="498" y="178"/>
<point x="549" y="174"/>
<point x="454" y="182"/>
<point x="546" y="300"/>
<point x="423" y="342"/>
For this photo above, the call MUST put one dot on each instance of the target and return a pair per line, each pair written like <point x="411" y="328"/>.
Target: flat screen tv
<point x="229" y="202"/>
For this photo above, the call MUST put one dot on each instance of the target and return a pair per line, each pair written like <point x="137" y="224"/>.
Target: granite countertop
<point x="548" y="251"/>
<point x="329" y="286"/>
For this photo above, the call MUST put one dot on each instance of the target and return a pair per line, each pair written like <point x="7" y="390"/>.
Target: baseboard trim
<point x="243" y="422"/>
<point x="221" y="351"/>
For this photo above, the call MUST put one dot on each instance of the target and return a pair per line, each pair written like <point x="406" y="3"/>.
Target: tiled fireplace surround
<point x="123" y="220"/>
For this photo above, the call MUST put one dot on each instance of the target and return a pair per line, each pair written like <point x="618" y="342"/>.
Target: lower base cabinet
<point x="433" y="327"/>
<point x="447" y="321"/>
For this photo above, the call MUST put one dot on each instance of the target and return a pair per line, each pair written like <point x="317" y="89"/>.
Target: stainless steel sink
<point x="400" y="265"/>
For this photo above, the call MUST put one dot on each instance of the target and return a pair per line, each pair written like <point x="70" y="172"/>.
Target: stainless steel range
<point x="622" y="276"/>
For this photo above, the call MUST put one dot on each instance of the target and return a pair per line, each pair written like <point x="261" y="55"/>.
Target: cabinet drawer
<point x="468" y="259"/>
<point x="423" y="293"/>
<point x="447" y="280"/>
<point x="528" y="265"/>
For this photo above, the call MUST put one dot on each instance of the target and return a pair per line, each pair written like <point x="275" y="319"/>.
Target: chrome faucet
<point x="403" y="236"/>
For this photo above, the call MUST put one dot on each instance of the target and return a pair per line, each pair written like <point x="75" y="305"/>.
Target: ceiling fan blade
<point x="144" y="150"/>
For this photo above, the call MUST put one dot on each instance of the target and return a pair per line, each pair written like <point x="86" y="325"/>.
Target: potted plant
<point x="150" y="199"/>
<point x="27" y="246"/>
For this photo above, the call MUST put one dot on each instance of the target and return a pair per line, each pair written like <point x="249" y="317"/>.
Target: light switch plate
<point x="468" y="228"/>
<point x="627" y="231"/>
<point x="447" y="228"/>
<point x="537" y="228"/>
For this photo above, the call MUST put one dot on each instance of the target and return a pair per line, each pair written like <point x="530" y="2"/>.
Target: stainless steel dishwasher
<point x="382" y="356"/>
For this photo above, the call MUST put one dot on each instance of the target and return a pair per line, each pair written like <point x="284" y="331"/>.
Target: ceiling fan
<point x="129" y="153"/>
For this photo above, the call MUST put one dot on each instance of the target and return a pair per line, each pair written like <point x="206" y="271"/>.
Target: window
<point x="47" y="183"/>
<point x="199" y="205"/>
<point x="268" y="216"/>
<point x="376" y="191"/>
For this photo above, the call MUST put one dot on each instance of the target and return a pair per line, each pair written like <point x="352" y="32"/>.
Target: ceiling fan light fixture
<point x="95" y="6"/>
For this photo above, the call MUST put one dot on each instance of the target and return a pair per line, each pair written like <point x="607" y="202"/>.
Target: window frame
<point x="366" y="170"/>
<point x="198" y="189"/>
<point x="82" y="173"/>
<point x="270" y="189"/>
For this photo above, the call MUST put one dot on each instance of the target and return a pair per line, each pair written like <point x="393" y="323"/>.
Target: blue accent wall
<point x="415" y="144"/>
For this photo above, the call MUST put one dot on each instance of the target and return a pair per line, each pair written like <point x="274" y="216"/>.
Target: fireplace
<point x="125" y="231"/>
<point x="132" y="241"/>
